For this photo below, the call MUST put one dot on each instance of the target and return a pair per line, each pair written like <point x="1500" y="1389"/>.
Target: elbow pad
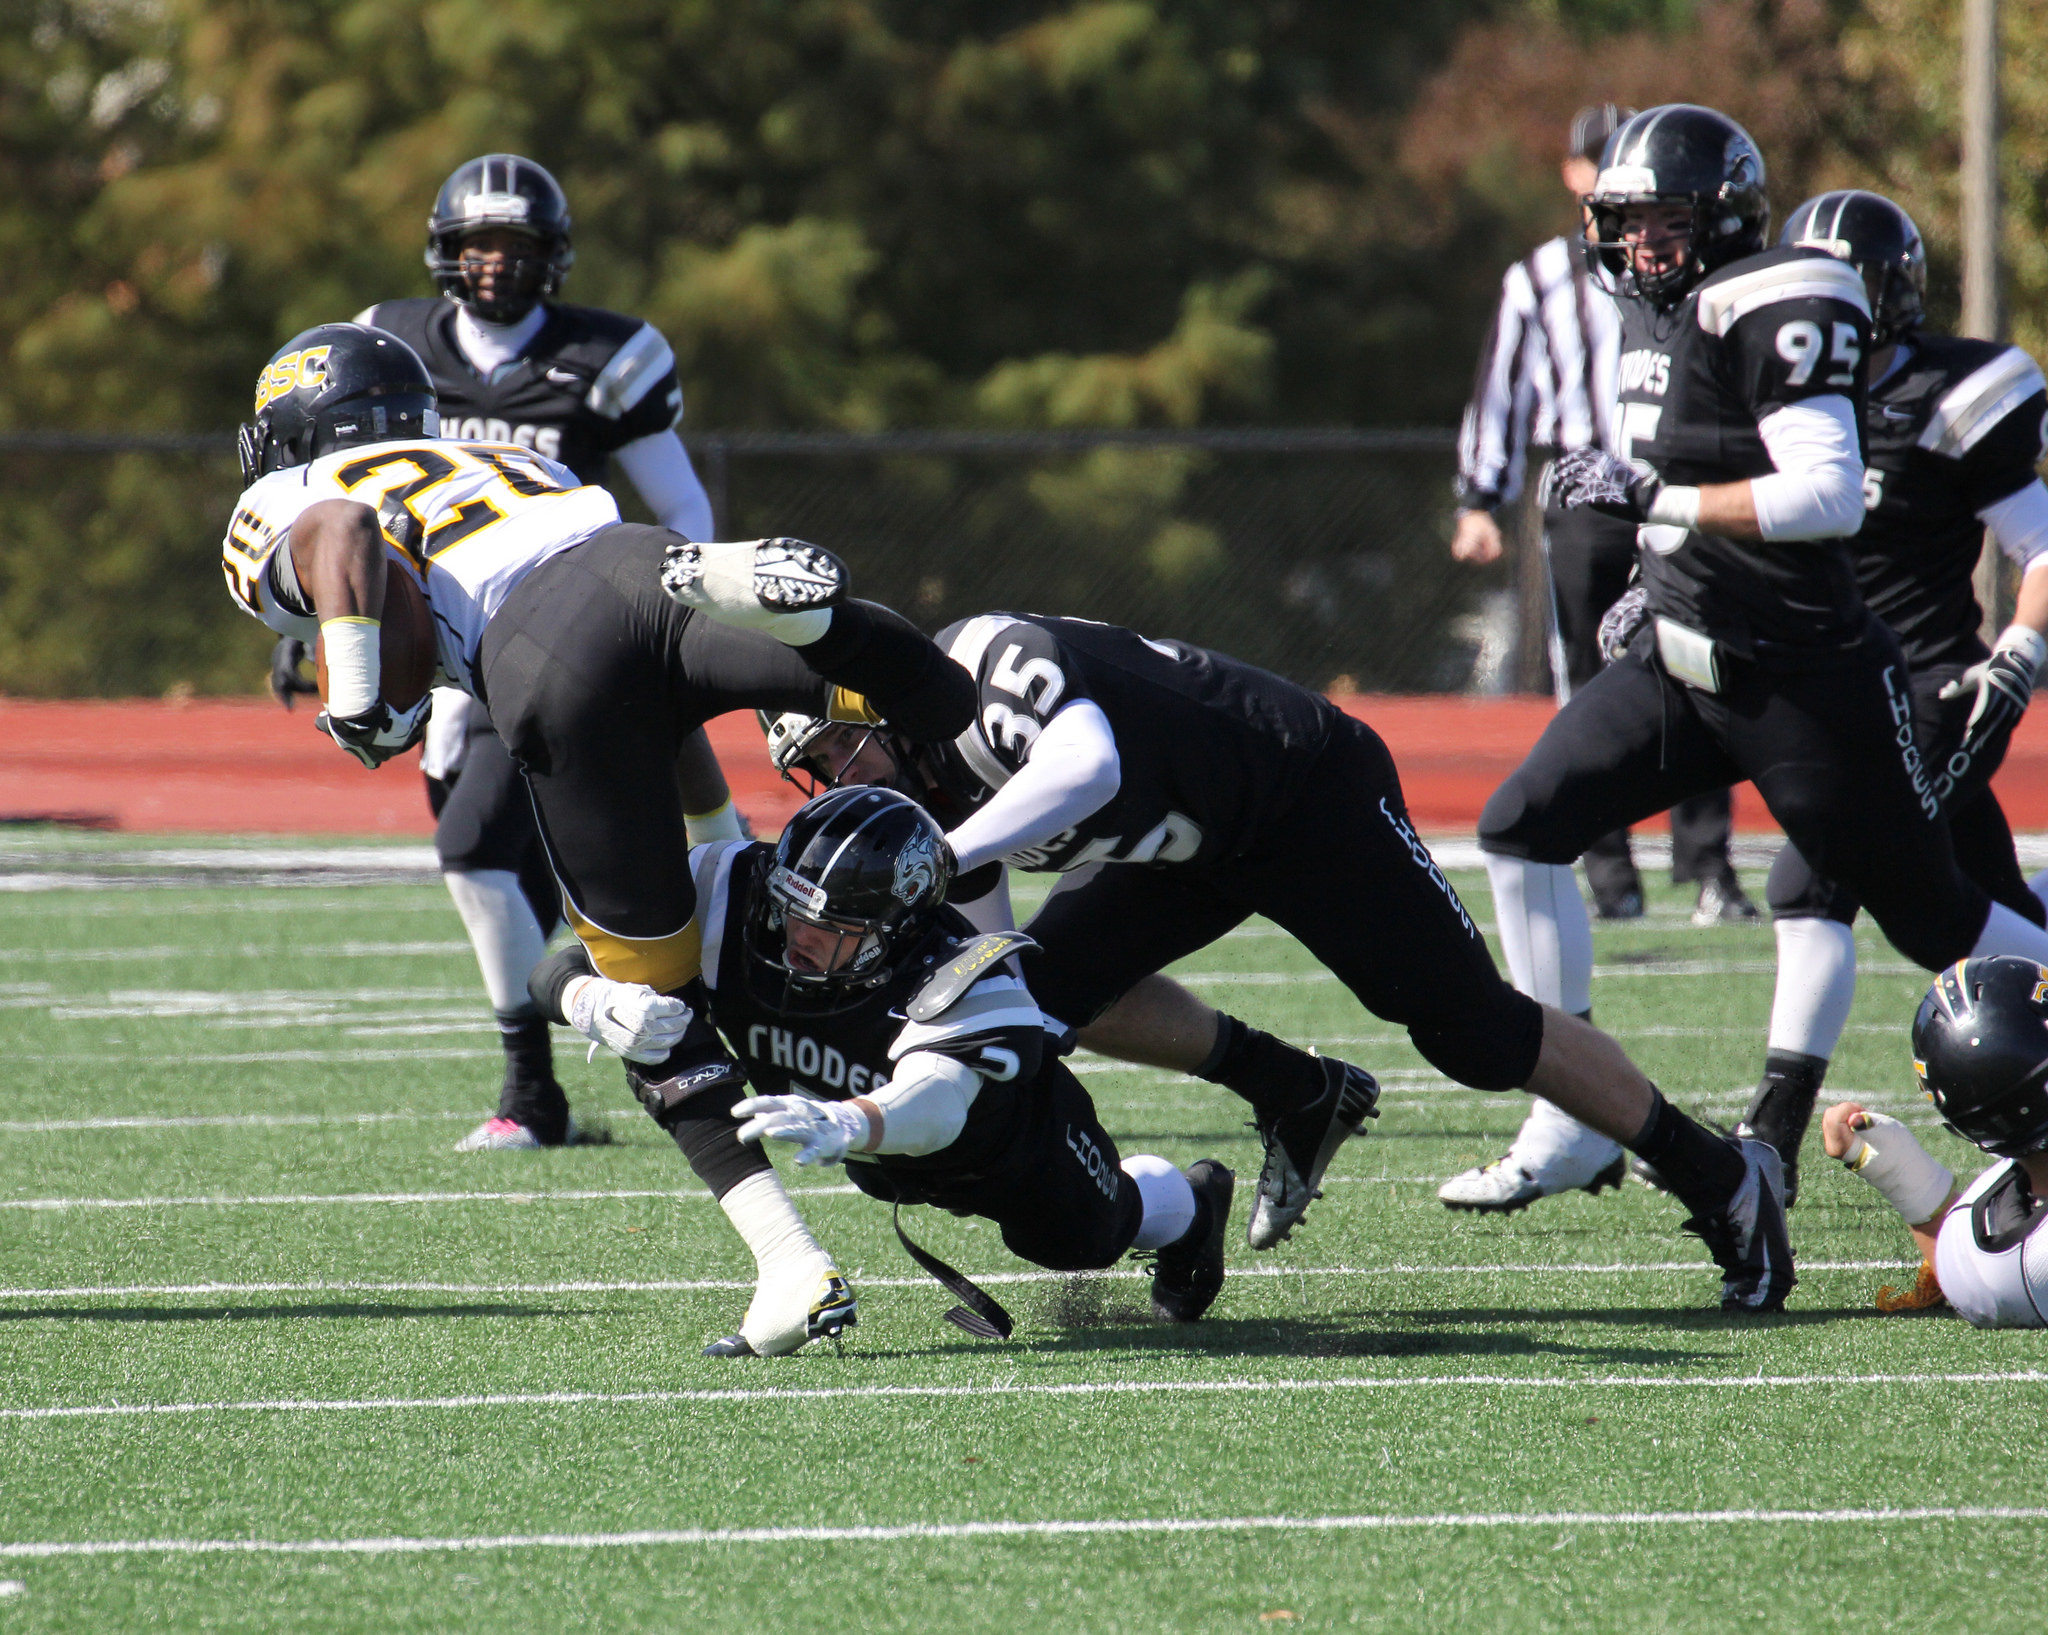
<point x="924" y="1107"/>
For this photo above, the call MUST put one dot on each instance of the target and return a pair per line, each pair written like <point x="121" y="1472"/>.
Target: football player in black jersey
<point x="879" y="1029"/>
<point x="1954" y="433"/>
<point x="511" y="364"/>
<point x="1179" y="792"/>
<point x="1742" y="385"/>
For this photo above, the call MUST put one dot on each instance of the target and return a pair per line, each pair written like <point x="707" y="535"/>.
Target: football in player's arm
<point x="1980" y="1048"/>
<point x="878" y="1029"/>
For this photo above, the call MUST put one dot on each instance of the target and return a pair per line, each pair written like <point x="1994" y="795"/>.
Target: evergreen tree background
<point x="857" y="214"/>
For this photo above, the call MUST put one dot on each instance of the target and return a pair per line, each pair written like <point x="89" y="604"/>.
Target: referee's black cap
<point x="1592" y="126"/>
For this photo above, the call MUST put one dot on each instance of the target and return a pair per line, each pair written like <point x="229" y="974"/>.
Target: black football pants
<point x="1976" y="822"/>
<point x="594" y="676"/>
<point x="1055" y="1189"/>
<point x="1590" y="559"/>
<point x="1827" y="737"/>
<point x="1343" y="871"/>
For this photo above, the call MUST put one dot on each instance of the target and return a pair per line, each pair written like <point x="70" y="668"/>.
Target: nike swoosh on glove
<point x="822" y="1131"/>
<point x="380" y="732"/>
<point x="1619" y="624"/>
<point x="629" y="1018"/>
<point x="2004" y="683"/>
<point x="1592" y="477"/>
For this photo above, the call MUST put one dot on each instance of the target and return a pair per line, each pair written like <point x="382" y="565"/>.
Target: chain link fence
<point x="1319" y="554"/>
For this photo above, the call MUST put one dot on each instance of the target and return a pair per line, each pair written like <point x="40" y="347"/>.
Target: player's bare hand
<point x="1476" y="538"/>
<point x="1839" y="1126"/>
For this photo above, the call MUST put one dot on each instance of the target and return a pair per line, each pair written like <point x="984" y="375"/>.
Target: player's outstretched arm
<point x="1071" y="770"/>
<point x="1884" y="1152"/>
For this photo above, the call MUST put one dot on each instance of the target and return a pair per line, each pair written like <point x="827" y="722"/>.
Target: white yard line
<point x="912" y="1532"/>
<point x="1083" y="1388"/>
<point x="146" y="1291"/>
<point x="304" y="1199"/>
<point x="44" y="1126"/>
<point x="252" y="950"/>
<point x="245" y="1058"/>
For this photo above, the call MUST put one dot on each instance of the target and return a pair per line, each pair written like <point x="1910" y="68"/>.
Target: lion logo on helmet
<point x="917" y="869"/>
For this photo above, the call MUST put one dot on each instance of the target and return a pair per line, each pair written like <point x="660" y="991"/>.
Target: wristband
<point x="1675" y="507"/>
<point x="1913" y="1181"/>
<point x="2025" y="641"/>
<point x="350" y="647"/>
<point x="703" y="828"/>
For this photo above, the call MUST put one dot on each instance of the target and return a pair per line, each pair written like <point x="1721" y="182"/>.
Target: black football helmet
<point x="1879" y="240"/>
<point x="502" y="192"/>
<point x="1681" y="154"/>
<point x="331" y="387"/>
<point x="1980" y="1046"/>
<point x="868" y="864"/>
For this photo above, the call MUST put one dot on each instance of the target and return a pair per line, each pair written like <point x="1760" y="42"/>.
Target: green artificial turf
<point x="1506" y="1422"/>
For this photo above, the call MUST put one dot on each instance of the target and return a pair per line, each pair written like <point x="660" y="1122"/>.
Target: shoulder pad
<point x="967" y="966"/>
<point x="1977" y="402"/>
<point x="633" y="371"/>
<point x="1816" y="277"/>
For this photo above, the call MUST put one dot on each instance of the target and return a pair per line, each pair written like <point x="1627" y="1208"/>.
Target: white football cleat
<point x="508" y="1135"/>
<point x="1504" y="1186"/>
<point x="755" y="583"/>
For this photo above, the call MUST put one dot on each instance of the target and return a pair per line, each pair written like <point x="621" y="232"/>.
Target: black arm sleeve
<point x="868" y="650"/>
<point x="553" y="974"/>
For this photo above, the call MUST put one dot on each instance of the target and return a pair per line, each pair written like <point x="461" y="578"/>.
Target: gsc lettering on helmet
<point x="290" y="372"/>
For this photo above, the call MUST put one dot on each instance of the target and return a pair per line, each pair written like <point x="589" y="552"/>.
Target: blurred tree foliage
<point x="847" y="213"/>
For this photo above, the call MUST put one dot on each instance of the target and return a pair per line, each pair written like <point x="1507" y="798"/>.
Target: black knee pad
<point x="704" y="1128"/>
<point x="1491" y="1043"/>
<point x="1795" y="891"/>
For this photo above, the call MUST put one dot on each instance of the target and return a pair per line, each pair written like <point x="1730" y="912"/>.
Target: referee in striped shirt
<point x="1547" y="378"/>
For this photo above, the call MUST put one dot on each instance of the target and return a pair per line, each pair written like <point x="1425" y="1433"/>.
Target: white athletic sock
<point x="1556" y="1149"/>
<point x="502" y="930"/>
<point x="1544" y="931"/>
<point x="1816" y="985"/>
<point x="1168" y="1199"/>
<point x="2006" y="933"/>
<point x="789" y="1264"/>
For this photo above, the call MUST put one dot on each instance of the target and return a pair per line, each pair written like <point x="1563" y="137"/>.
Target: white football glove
<point x="822" y="1131"/>
<point x="628" y="1017"/>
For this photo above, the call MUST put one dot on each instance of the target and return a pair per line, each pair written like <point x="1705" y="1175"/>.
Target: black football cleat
<point x="1299" y="1146"/>
<point x="1188" y="1273"/>
<point x="1747" y="1236"/>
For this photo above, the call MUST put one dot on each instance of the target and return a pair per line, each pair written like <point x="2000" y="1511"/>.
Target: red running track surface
<point x="244" y="766"/>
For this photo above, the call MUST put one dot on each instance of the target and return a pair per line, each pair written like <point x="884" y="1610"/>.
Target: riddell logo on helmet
<point x="290" y="372"/>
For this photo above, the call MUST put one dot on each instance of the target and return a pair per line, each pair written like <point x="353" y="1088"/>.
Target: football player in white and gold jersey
<point x="598" y="646"/>
<point x="1980" y="1047"/>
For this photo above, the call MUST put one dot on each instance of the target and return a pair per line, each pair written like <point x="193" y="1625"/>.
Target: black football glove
<point x="287" y="680"/>
<point x="380" y="732"/>
<point x="1594" y="478"/>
